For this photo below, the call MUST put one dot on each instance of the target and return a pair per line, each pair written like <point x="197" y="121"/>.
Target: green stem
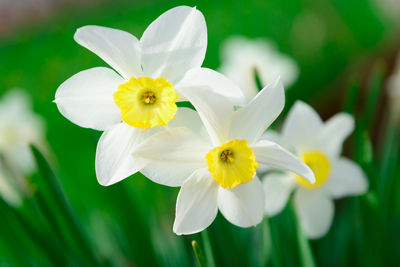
<point x="306" y="254"/>
<point x="198" y="252"/>
<point x="266" y="243"/>
<point x="257" y="79"/>
<point x="208" y="249"/>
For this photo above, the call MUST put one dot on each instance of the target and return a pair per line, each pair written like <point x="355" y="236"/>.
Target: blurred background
<point x="345" y="53"/>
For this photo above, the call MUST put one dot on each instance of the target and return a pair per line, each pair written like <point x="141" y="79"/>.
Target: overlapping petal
<point x="86" y="98"/>
<point x="207" y="79"/>
<point x="214" y="110"/>
<point x="196" y="206"/>
<point x="244" y="205"/>
<point x="252" y="120"/>
<point x="174" y="43"/>
<point x="346" y="179"/>
<point x="187" y="117"/>
<point x="273" y="155"/>
<point x="120" y="49"/>
<point x="114" y="160"/>
<point x="172" y="155"/>
<point x="315" y="212"/>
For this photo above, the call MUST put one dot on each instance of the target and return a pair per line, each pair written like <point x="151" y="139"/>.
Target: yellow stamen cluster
<point x="149" y="98"/>
<point x="227" y="156"/>
<point x="145" y="102"/>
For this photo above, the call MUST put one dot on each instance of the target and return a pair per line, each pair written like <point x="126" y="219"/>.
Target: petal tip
<point x="103" y="182"/>
<point x="176" y="230"/>
<point x="310" y="177"/>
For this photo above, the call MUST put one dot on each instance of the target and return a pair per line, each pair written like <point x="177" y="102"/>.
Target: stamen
<point x="227" y="156"/>
<point x="149" y="98"/>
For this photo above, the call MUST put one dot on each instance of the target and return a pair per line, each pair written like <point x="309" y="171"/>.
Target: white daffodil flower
<point x="19" y="127"/>
<point x="217" y="170"/>
<point x="130" y="103"/>
<point x="243" y="58"/>
<point x="319" y="145"/>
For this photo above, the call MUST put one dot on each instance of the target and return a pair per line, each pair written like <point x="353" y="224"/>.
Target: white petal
<point x="334" y="132"/>
<point x="86" y="98"/>
<point x="346" y="179"/>
<point x="252" y="120"/>
<point x="189" y="118"/>
<point x="121" y="50"/>
<point x="270" y="135"/>
<point x="301" y="126"/>
<point x="9" y="193"/>
<point x="114" y="161"/>
<point x="213" y="81"/>
<point x="196" y="206"/>
<point x="273" y="136"/>
<point x="186" y="117"/>
<point x="272" y="154"/>
<point x="277" y="189"/>
<point x="244" y="205"/>
<point x="172" y="155"/>
<point x="315" y="211"/>
<point x="20" y="155"/>
<point x="214" y="110"/>
<point x="174" y="43"/>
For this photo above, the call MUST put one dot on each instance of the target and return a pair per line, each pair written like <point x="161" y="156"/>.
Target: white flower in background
<point x="319" y="145"/>
<point x="393" y="87"/>
<point x="391" y="8"/>
<point x="19" y="127"/>
<point x="394" y="94"/>
<point x="218" y="170"/>
<point x="242" y="58"/>
<point x="130" y="104"/>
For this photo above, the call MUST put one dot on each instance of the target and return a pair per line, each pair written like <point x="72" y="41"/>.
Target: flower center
<point x="319" y="164"/>
<point x="149" y="98"/>
<point x="145" y="102"/>
<point x="227" y="156"/>
<point x="232" y="163"/>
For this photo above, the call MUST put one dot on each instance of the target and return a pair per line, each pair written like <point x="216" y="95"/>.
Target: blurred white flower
<point x="394" y="94"/>
<point x="393" y="87"/>
<point x="130" y="104"/>
<point x="218" y="170"/>
<point x="19" y="127"/>
<point x="243" y="58"/>
<point x="319" y="145"/>
<point x="390" y="7"/>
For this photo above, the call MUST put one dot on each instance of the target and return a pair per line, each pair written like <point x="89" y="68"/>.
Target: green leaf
<point x="353" y="91"/>
<point x="57" y="210"/>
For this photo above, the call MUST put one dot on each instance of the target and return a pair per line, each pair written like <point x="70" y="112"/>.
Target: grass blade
<point x="49" y="184"/>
